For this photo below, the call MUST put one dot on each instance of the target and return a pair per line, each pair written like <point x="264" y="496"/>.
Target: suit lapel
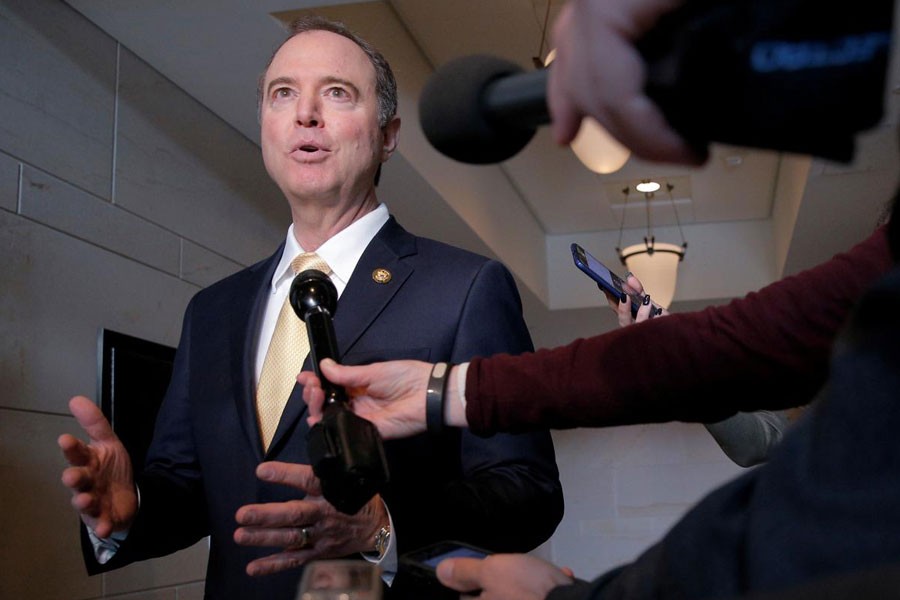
<point x="364" y="299"/>
<point x="249" y="305"/>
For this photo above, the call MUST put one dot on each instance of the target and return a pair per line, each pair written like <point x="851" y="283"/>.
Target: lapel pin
<point x="381" y="275"/>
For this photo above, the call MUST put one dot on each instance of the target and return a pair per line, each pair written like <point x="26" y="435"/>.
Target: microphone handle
<point x="323" y="344"/>
<point x="518" y="101"/>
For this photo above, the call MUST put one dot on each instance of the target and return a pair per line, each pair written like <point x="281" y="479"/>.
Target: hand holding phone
<point x="420" y="567"/>
<point x="609" y="282"/>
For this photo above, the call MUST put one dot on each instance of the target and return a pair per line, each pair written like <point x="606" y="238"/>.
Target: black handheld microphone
<point x="744" y="73"/>
<point x="345" y="450"/>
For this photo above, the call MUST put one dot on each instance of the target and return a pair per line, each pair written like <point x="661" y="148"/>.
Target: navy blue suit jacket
<point x="441" y="304"/>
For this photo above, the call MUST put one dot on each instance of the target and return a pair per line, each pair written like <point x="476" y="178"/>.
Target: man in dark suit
<point x="218" y="467"/>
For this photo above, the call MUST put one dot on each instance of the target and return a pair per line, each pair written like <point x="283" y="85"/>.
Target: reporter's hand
<point x="390" y="394"/>
<point x="99" y="473"/>
<point x="623" y="309"/>
<point x="503" y="576"/>
<point x="598" y="72"/>
<point x="330" y="533"/>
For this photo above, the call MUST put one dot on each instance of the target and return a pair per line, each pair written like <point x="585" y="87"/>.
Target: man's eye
<point x="282" y="93"/>
<point x="337" y="92"/>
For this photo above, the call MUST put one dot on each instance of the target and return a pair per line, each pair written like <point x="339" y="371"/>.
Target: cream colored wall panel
<point x="200" y="266"/>
<point x="41" y="553"/>
<point x="58" y="292"/>
<point x="164" y="594"/>
<point x="626" y="486"/>
<point x="186" y="567"/>
<point x="670" y="487"/>
<point x="192" y="591"/>
<point x="9" y="183"/>
<point x="81" y="215"/>
<point x="182" y="167"/>
<point x="58" y="80"/>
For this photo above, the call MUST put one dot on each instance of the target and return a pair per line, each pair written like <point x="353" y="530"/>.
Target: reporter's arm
<point x="664" y="369"/>
<point x="747" y="438"/>
<point x="676" y="368"/>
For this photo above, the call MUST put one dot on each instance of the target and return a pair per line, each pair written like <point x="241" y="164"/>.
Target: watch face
<point x="381" y="540"/>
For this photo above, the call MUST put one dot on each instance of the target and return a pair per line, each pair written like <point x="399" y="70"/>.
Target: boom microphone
<point x="482" y="109"/>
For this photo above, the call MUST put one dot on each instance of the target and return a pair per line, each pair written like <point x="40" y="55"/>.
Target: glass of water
<point x="340" y="580"/>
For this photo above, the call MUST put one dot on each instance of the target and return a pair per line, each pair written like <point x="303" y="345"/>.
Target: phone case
<point x="418" y="568"/>
<point x="606" y="280"/>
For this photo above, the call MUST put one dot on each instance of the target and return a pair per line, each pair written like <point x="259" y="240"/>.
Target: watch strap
<point x="434" y="398"/>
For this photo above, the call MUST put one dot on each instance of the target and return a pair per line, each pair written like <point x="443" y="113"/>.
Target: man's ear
<point x="391" y="133"/>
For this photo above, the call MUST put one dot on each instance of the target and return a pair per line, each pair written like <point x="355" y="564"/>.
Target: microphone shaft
<point x="323" y="344"/>
<point x="519" y="100"/>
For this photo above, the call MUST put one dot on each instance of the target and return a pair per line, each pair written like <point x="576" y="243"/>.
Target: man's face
<point x="319" y="116"/>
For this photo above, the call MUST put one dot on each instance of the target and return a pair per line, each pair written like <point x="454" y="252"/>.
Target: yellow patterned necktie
<point x="284" y="358"/>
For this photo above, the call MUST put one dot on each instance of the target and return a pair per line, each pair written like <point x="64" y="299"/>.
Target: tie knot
<point x="309" y="260"/>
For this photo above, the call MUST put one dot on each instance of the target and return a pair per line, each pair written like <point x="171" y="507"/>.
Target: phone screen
<point x="596" y="270"/>
<point x="597" y="267"/>
<point x="459" y="552"/>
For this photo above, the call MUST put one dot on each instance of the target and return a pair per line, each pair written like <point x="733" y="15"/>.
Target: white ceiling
<point x="748" y="216"/>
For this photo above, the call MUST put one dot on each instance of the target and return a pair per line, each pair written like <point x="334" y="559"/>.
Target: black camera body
<point x="798" y="76"/>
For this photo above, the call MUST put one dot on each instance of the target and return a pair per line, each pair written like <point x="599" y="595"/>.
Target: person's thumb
<point x="461" y="574"/>
<point x="340" y="374"/>
<point x="91" y="419"/>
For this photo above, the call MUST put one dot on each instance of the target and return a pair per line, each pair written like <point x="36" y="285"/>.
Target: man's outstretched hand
<point x="99" y="472"/>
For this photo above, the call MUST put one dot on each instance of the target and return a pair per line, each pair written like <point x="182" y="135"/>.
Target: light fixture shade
<point x="594" y="147"/>
<point x="597" y="149"/>
<point x="658" y="271"/>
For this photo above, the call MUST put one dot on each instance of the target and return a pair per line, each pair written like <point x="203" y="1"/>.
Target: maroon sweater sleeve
<point x="768" y="350"/>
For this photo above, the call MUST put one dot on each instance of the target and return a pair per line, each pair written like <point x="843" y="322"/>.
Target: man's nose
<point x="308" y="111"/>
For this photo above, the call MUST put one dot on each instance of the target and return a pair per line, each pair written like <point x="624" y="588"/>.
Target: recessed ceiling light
<point x="647" y="186"/>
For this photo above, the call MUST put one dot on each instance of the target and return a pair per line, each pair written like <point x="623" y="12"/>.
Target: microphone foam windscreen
<point x="455" y="115"/>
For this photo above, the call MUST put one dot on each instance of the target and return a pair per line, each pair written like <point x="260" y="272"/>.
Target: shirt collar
<point x="341" y="251"/>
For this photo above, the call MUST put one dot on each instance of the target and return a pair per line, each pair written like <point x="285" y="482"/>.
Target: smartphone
<point x="608" y="281"/>
<point x="419" y="566"/>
